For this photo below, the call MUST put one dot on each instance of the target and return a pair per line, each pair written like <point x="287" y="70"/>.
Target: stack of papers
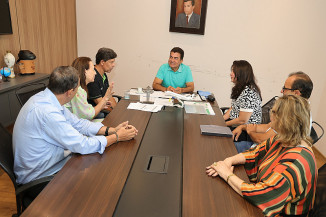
<point x="164" y="102"/>
<point x="145" y="107"/>
<point x="204" y="108"/>
<point x="161" y="99"/>
<point x="161" y="94"/>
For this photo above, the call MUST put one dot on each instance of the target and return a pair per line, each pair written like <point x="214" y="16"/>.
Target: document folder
<point x="214" y="130"/>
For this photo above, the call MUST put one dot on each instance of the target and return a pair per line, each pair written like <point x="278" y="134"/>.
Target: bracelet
<point x="227" y="179"/>
<point x="116" y="134"/>
<point x="107" y="131"/>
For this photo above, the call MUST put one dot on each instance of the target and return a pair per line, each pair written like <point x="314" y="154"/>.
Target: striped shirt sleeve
<point x="254" y="156"/>
<point x="287" y="187"/>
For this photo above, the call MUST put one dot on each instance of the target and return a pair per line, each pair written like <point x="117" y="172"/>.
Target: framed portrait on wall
<point x="188" y="16"/>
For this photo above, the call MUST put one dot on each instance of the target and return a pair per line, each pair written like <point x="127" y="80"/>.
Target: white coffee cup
<point x="140" y="90"/>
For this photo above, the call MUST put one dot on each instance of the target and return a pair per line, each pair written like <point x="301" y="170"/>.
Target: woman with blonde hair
<point x="79" y="105"/>
<point x="282" y="170"/>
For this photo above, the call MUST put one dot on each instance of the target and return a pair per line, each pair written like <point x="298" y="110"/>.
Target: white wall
<point x="276" y="37"/>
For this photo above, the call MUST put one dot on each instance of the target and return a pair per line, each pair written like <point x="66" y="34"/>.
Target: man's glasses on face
<point x="284" y="88"/>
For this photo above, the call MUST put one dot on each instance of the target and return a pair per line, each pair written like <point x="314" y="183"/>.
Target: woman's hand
<point x="221" y="168"/>
<point x="127" y="133"/>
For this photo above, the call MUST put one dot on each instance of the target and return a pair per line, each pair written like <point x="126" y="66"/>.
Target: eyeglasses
<point x="284" y="88"/>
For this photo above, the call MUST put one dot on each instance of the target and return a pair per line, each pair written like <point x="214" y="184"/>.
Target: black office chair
<point x="25" y="92"/>
<point x="319" y="209"/>
<point x="265" y="119"/>
<point x="7" y="164"/>
<point x="313" y="132"/>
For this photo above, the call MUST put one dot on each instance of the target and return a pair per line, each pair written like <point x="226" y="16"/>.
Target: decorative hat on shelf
<point x="26" y="62"/>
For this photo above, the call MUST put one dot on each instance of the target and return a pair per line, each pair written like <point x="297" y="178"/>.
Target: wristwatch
<point x="107" y="131"/>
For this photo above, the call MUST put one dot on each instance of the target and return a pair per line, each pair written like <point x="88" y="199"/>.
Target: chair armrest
<point x="118" y="97"/>
<point x="314" y="134"/>
<point x="22" y="188"/>
<point x="224" y="109"/>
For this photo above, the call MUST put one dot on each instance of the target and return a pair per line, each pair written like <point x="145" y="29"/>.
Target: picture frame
<point x="179" y="21"/>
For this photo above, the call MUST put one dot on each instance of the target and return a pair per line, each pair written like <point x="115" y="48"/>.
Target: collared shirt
<point x="98" y="88"/>
<point x="79" y="105"/>
<point x="175" y="79"/>
<point x="43" y="131"/>
<point x="189" y="16"/>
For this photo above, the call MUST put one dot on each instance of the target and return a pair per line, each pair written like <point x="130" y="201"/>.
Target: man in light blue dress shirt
<point x="45" y="132"/>
<point x="174" y="76"/>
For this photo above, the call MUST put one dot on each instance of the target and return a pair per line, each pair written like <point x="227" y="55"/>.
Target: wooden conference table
<point x="108" y="184"/>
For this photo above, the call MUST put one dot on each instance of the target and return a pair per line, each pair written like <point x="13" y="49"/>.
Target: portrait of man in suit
<point x="188" y="18"/>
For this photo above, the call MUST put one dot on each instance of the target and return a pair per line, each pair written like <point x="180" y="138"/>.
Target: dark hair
<point x="244" y="76"/>
<point x="62" y="79"/>
<point x="302" y="83"/>
<point x="105" y="54"/>
<point x="81" y="64"/>
<point x="178" y="50"/>
<point x="192" y="1"/>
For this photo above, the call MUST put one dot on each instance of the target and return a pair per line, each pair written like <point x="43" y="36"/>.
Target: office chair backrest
<point x="265" y="119"/>
<point x="320" y="200"/>
<point x="313" y="132"/>
<point x="7" y="164"/>
<point x="25" y="92"/>
<point x="6" y="154"/>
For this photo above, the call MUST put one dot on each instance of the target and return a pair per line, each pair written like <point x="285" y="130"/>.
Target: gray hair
<point x="62" y="79"/>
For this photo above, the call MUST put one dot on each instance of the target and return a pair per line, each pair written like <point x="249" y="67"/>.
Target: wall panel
<point x="10" y="42"/>
<point x="48" y="29"/>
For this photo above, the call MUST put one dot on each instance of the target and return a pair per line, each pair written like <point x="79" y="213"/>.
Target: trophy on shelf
<point x="10" y="62"/>
<point x="26" y="62"/>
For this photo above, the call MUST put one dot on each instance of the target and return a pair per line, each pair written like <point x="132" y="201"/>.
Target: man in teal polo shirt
<point x="174" y="76"/>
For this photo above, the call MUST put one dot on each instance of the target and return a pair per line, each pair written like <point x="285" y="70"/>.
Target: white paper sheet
<point x="164" y="102"/>
<point x="199" y="108"/>
<point x="145" y="107"/>
<point x="161" y="94"/>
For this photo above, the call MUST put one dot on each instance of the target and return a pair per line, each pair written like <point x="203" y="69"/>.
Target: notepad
<point x="215" y="130"/>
